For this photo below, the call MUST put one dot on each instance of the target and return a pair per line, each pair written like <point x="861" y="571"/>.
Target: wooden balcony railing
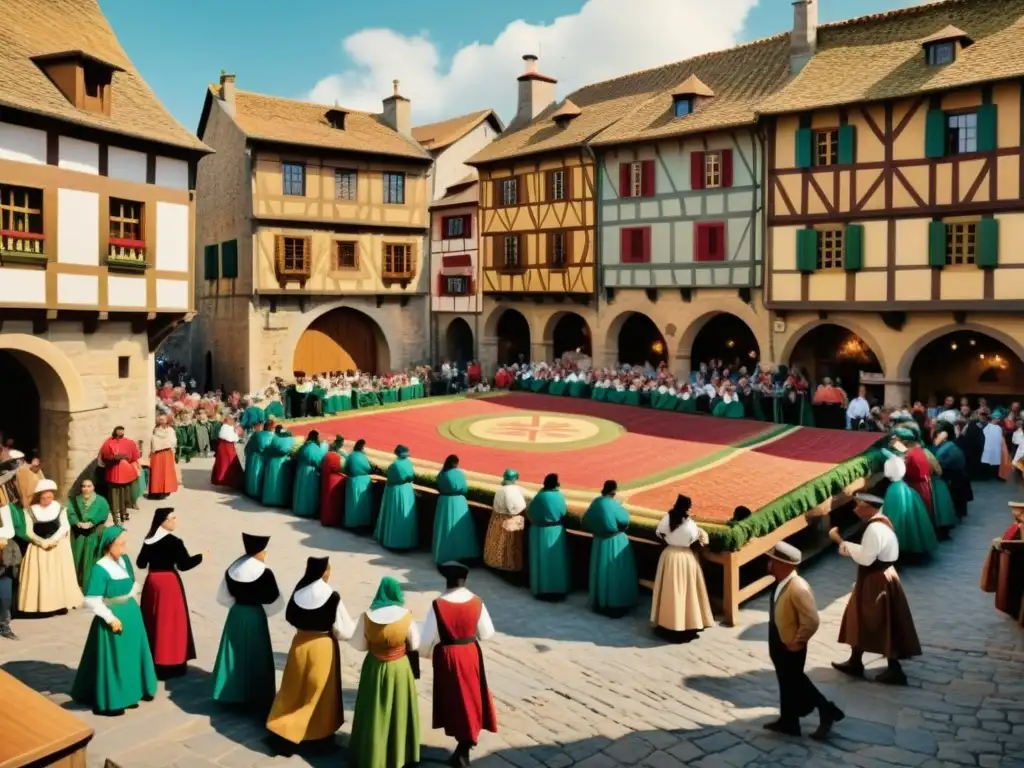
<point x="22" y="247"/>
<point x="126" y="255"/>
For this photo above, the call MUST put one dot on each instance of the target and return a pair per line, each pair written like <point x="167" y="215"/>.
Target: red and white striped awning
<point x="459" y="264"/>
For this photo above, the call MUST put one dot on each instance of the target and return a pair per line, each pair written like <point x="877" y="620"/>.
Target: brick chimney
<point x="536" y="92"/>
<point x="398" y="112"/>
<point x="227" y="88"/>
<point x="803" y="40"/>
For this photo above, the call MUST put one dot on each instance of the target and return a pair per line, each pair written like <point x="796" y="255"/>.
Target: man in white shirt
<point x="992" y="453"/>
<point x="877" y="617"/>
<point x="859" y="409"/>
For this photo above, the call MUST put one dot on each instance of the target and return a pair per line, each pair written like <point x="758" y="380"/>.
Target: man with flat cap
<point x="792" y="622"/>
<point x="244" y="670"/>
<point x="877" y="617"/>
<point x="455" y="625"/>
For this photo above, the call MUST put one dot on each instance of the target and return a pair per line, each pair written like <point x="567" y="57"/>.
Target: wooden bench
<point x="35" y="732"/>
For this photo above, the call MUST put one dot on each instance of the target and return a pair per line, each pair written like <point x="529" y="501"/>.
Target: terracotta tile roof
<point x="638" y="106"/>
<point x="300" y="122"/>
<point x="884" y="50"/>
<point x="436" y="136"/>
<point x="39" y="28"/>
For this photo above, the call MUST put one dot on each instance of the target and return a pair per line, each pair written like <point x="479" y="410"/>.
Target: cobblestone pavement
<point x="573" y="688"/>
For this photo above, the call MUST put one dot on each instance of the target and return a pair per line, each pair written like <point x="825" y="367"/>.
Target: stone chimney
<point x="398" y="113"/>
<point x="536" y="92"/>
<point x="227" y="88"/>
<point x="803" y="40"/>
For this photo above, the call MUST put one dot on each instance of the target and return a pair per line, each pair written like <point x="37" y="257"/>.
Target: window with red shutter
<point x="625" y="179"/>
<point x="625" y="246"/>
<point x="635" y="245"/>
<point x="697" y="170"/>
<point x="645" y="235"/>
<point x="726" y="167"/>
<point x="647" y="179"/>
<point x="709" y="241"/>
<point x="467" y="226"/>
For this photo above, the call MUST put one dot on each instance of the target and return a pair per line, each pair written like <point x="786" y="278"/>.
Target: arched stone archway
<point x="567" y="332"/>
<point x="512" y="332"/>
<point x="834" y="351"/>
<point x="339" y="340"/>
<point x="722" y="336"/>
<point x="966" y="360"/>
<point x="458" y="342"/>
<point x="638" y="340"/>
<point x="853" y="327"/>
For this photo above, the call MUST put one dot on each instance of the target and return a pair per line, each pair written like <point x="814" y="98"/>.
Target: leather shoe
<point x="780" y="726"/>
<point x="849" y="668"/>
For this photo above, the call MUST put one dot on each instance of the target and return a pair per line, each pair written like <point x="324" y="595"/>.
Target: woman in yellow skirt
<point x="308" y="707"/>
<point x="48" y="582"/>
<point x="680" y="604"/>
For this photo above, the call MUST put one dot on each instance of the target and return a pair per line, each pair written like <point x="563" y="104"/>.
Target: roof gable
<point x="438" y="136"/>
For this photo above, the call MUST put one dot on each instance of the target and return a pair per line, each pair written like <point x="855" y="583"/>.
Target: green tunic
<point x="398" y="525"/>
<point x="280" y="471"/>
<point x="613" y="579"/>
<point x="85" y="542"/>
<point x="116" y="670"/>
<point x="454" y="528"/>
<point x="274" y="410"/>
<point x="547" y="548"/>
<point x="252" y="416"/>
<point x="256" y="462"/>
<point x="358" y="491"/>
<point x="942" y="500"/>
<point x="909" y="517"/>
<point x="306" y="491"/>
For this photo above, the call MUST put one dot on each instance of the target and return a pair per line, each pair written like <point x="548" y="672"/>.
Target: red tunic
<point x="120" y="472"/>
<point x="462" y="700"/>
<point x="227" y="469"/>
<point x="332" y="490"/>
<point x="503" y="379"/>
<point x="919" y="475"/>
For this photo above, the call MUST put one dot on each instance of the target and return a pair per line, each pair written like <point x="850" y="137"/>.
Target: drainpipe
<point x="762" y="141"/>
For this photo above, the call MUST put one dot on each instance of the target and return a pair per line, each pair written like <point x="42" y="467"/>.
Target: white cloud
<point x="607" y="38"/>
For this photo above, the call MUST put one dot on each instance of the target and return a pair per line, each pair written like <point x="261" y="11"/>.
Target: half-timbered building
<point x="680" y="205"/>
<point x="311" y="239"/>
<point x="96" y="233"/>
<point x="455" y="301"/>
<point x="895" y="189"/>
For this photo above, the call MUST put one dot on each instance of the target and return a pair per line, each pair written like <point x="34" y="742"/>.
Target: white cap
<point x="786" y="553"/>
<point x="45" y="485"/>
<point x="14" y="454"/>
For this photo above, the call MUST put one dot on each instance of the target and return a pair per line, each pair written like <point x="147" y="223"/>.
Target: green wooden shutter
<point x="937" y="244"/>
<point x="804" y="145"/>
<point x="988" y="243"/>
<point x="847" y="144"/>
<point x="987" y="128"/>
<point x="807" y="250"/>
<point x="935" y="133"/>
<point x="853" y="247"/>
<point x="230" y="251"/>
<point x="210" y="256"/>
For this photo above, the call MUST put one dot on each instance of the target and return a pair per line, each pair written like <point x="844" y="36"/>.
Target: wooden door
<point x="341" y="340"/>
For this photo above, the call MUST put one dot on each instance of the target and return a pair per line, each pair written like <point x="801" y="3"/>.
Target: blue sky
<point x="321" y="49"/>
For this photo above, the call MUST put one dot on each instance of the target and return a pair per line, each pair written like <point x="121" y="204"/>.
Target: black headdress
<point x="316" y="567"/>
<point x="161" y="514"/>
<point x="254" y="544"/>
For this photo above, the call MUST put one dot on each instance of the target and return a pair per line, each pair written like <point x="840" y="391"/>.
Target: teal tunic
<point x="910" y="520"/>
<point x="252" y="416"/>
<point x="613" y="579"/>
<point x="547" y="548"/>
<point x="85" y="542"/>
<point x="358" y="491"/>
<point x="256" y="462"/>
<point x="454" y="528"/>
<point x="280" y="472"/>
<point x="942" y="501"/>
<point x="274" y="410"/>
<point x="398" y="524"/>
<point x="306" y="492"/>
<point x="116" y="670"/>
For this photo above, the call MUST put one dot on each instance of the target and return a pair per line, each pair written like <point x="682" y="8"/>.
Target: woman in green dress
<point x="358" y="489"/>
<point x="256" y="461"/>
<point x="942" y="499"/>
<point x="280" y="471"/>
<point x="613" y="580"/>
<point x="244" y="671"/>
<point x="547" y="547"/>
<point x="386" y="724"/>
<point x="907" y="512"/>
<point x="306" y="492"/>
<point x="116" y="670"/>
<point x="398" y="527"/>
<point x="454" y="528"/>
<point x="87" y="515"/>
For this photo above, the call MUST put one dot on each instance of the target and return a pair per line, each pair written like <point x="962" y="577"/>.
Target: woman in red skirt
<point x="227" y="469"/>
<point x="164" y="609"/>
<point x="163" y="474"/>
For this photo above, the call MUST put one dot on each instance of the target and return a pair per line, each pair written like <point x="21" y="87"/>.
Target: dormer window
<point x="682" y="105"/>
<point x="336" y="118"/>
<point x="565" y="114"/>
<point x="84" y="80"/>
<point x="688" y="94"/>
<point x="942" y="48"/>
